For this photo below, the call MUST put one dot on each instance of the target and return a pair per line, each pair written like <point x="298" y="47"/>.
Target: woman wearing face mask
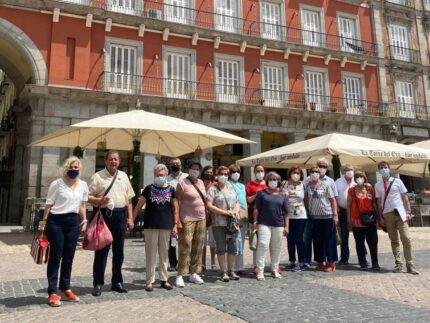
<point x="321" y="203"/>
<point x="297" y="218"/>
<point x="361" y="199"/>
<point x="222" y="202"/>
<point x="160" y="221"/>
<point x="65" y="216"/>
<point x="252" y="187"/>
<point x="208" y="179"/>
<point x="239" y="188"/>
<point x="191" y="195"/>
<point x="272" y="218"/>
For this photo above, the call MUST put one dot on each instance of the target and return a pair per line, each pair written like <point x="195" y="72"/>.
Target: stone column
<point x="148" y="162"/>
<point x="250" y="150"/>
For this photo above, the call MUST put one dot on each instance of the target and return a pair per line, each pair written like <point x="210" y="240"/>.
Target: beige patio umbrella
<point x="417" y="169"/>
<point x="158" y="134"/>
<point x="358" y="151"/>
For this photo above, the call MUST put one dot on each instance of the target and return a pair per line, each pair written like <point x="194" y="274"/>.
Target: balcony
<point x="406" y="111"/>
<point x="234" y="94"/>
<point x="405" y="3"/>
<point x="405" y="54"/>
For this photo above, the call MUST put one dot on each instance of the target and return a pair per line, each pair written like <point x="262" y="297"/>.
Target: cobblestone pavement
<point x="347" y="295"/>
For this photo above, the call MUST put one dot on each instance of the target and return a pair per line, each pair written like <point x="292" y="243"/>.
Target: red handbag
<point x="39" y="250"/>
<point x="98" y="234"/>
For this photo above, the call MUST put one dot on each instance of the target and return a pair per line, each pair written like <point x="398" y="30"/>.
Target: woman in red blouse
<point x="252" y="187"/>
<point x="361" y="199"/>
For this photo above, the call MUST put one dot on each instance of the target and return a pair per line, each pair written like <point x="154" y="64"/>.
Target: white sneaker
<point x="196" y="279"/>
<point x="179" y="282"/>
<point x="260" y="276"/>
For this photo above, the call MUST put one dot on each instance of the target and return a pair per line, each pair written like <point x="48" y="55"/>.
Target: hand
<point x="285" y="231"/>
<point x="349" y="227"/>
<point x="130" y="224"/>
<point x="104" y="200"/>
<point x="381" y="223"/>
<point x="83" y="227"/>
<point x="335" y="219"/>
<point x="179" y="226"/>
<point x="408" y="217"/>
<point x="254" y="226"/>
<point x="175" y="232"/>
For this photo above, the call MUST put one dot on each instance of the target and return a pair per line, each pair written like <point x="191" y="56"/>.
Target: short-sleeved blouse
<point x="192" y="207"/>
<point x="64" y="199"/>
<point x="365" y="204"/>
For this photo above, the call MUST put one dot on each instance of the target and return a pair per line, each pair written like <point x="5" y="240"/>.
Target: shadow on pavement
<point x="16" y="302"/>
<point x="16" y="239"/>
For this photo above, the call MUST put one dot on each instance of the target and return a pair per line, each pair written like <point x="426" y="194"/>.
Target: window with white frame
<point x="316" y="89"/>
<point x="312" y="31"/>
<point x="348" y="33"/>
<point x="271" y="20"/>
<point x="226" y="15"/>
<point x="229" y="78"/>
<point x="178" y="11"/>
<point x="274" y="83"/>
<point x="402" y="2"/>
<point x="405" y="99"/>
<point x="353" y="94"/>
<point x="427" y="5"/>
<point x="122" y="65"/>
<point x="131" y="7"/>
<point x="179" y="72"/>
<point x="399" y="41"/>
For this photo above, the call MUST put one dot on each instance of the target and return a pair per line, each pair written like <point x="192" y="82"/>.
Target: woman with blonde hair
<point x="65" y="216"/>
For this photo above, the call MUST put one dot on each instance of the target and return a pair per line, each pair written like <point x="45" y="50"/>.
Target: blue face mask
<point x="385" y="172"/>
<point x="160" y="180"/>
<point x="72" y="173"/>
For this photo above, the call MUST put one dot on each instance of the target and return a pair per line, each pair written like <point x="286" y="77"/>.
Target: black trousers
<point x="370" y="235"/>
<point x="117" y="224"/>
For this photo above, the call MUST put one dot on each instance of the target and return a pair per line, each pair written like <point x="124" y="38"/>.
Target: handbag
<point x="243" y="214"/>
<point x="98" y="234"/>
<point x="338" y="236"/>
<point x="232" y="222"/>
<point x="253" y="240"/>
<point x="40" y="249"/>
<point x="367" y="218"/>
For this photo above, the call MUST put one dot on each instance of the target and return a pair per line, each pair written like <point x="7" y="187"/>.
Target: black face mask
<point x="208" y="177"/>
<point x="175" y="168"/>
<point x="72" y="173"/>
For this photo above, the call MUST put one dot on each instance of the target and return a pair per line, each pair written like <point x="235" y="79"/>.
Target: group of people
<point x="208" y="207"/>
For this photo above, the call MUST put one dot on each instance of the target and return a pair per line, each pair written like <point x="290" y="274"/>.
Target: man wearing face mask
<point x="393" y="204"/>
<point x="343" y="184"/>
<point x="172" y="179"/>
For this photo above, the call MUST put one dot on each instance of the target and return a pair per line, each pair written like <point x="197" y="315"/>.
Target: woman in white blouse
<point x="65" y="216"/>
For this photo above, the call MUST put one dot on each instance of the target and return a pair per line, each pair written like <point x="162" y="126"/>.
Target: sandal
<point x="166" y="285"/>
<point x="149" y="288"/>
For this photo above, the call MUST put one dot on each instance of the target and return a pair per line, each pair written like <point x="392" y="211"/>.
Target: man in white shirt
<point x="172" y="179"/>
<point x="343" y="184"/>
<point x="396" y="211"/>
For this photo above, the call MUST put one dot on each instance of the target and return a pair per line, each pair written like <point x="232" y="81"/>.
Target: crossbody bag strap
<point x="111" y="184"/>
<point x="198" y="190"/>
<point x="225" y="198"/>
<point x="356" y="202"/>
<point x="386" y="195"/>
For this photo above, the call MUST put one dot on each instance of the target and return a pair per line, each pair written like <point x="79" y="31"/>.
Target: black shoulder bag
<point x="367" y="218"/>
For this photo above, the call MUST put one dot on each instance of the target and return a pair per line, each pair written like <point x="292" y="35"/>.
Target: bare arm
<point x="217" y="210"/>
<point x="140" y="203"/>
<point x="334" y="210"/>
<point x="406" y="203"/>
<point x="130" y="222"/>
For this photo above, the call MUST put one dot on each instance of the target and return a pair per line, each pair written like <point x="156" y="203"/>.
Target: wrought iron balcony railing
<point x="404" y="54"/>
<point x="235" y="94"/>
<point x="225" y="21"/>
<point x="406" y="3"/>
<point x="407" y="111"/>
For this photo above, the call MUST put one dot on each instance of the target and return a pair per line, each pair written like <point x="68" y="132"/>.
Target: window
<point x="83" y="2"/>
<point x="229" y="78"/>
<point x="122" y="65"/>
<point x="179" y="69"/>
<point x="402" y="2"/>
<point x="316" y="89"/>
<point x="312" y="27"/>
<point x="226" y="15"/>
<point x="271" y="20"/>
<point x="274" y="83"/>
<point x="427" y="5"/>
<point x="405" y="99"/>
<point x="399" y="42"/>
<point x="348" y="33"/>
<point x="353" y="94"/>
<point x="130" y="7"/>
<point x="178" y="11"/>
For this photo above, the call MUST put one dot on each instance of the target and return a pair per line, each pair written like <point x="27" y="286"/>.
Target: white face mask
<point x="323" y="171"/>
<point x="222" y="179"/>
<point x="259" y="176"/>
<point x="273" y="184"/>
<point x="194" y="173"/>
<point x="359" y="180"/>
<point x="315" y="176"/>
<point x="295" y="177"/>
<point x="349" y="174"/>
<point x="235" y="176"/>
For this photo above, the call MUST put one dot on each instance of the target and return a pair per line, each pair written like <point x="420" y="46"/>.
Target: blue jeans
<point x="295" y="239"/>
<point x="308" y="237"/>
<point x="325" y="240"/>
<point x="117" y="224"/>
<point x="62" y="231"/>
<point x="344" y="233"/>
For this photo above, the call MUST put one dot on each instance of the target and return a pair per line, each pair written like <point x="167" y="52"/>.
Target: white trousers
<point x="269" y="238"/>
<point x="156" y="240"/>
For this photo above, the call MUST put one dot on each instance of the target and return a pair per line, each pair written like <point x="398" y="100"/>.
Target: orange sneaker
<point x="70" y="296"/>
<point x="330" y="267"/>
<point x="321" y="266"/>
<point x="54" y="300"/>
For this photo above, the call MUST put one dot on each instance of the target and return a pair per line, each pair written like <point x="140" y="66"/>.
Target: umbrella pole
<point x="336" y="166"/>
<point x="135" y="181"/>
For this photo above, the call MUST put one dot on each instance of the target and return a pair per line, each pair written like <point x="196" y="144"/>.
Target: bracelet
<point x="84" y="221"/>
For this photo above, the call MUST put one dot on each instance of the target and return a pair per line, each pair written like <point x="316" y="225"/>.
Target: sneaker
<point x="179" y="282"/>
<point x="330" y="267"/>
<point x="411" y="270"/>
<point x="224" y="278"/>
<point x="70" y="296"/>
<point x="376" y="267"/>
<point x="363" y="266"/>
<point x="196" y="279"/>
<point x="306" y="265"/>
<point x="276" y="274"/>
<point x="254" y="270"/>
<point x="233" y="275"/>
<point x="290" y="266"/>
<point x="54" y="300"/>
<point x="297" y="268"/>
<point x="260" y="277"/>
<point x="321" y="266"/>
<point x="398" y="268"/>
